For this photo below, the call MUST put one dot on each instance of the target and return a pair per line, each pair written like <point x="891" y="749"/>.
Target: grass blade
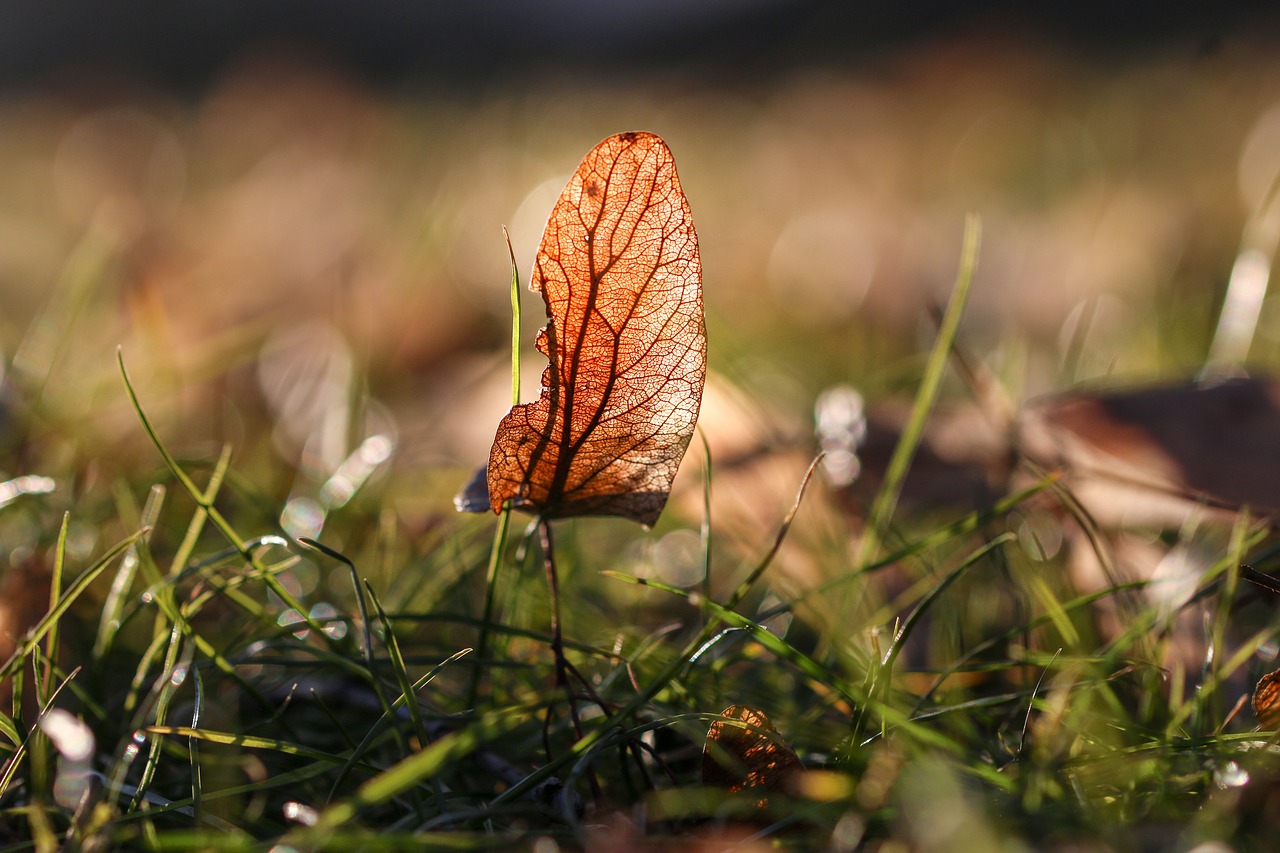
<point x="896" y="472"/>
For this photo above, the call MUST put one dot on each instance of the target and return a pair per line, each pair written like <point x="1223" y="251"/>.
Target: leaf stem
<point x="563" y="667"/>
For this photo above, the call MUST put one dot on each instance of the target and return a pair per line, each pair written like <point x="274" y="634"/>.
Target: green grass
<point x="947" y="687"/>
<point x="390" y="686"/>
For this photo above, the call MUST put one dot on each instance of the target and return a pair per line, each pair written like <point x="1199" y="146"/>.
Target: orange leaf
<point x="620" y="274"/>
<point x="744" y="751"/>
<point x="1266" y="701"/>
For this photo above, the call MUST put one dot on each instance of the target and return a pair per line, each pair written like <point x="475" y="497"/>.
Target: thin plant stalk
<point x="563" y="667"/>
<point x="500" y="535"/>
<point x="706" y="517"/>
<point x="895" y="475"/>
<point x="55" y="592"/>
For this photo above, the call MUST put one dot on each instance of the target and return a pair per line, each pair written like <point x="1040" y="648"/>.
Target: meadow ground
<point x="305" y="284"/>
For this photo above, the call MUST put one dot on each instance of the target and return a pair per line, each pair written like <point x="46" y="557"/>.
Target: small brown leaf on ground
<point x="620" y="273"/>
<point x="745" y="752"/>
<point x="1266" y="700"/>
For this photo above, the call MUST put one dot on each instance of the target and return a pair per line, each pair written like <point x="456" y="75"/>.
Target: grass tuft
<point x="247" y="691"/>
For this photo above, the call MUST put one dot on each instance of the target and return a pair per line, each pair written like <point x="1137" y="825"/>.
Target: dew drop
<point x="300" y="813"/>
<point x="331" y="618"/>
<point x="1230" y="775"/>
<point x="293" y="617"/>
<point x="302" y="517"/>
<point x="70" y="736"/>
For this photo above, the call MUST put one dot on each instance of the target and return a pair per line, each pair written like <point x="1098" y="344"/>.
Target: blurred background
<point x="286" y="218"/>
<point x="291" y="213"/>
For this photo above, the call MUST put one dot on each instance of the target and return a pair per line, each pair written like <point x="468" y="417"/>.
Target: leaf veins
<point x="619" y="271"/>
<point x="745" y="752"/>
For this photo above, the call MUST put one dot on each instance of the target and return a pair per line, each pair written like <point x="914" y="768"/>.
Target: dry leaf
<point x="1156" y="453"/>
<point x="745" y="752"/>
<point x="1266" y="700"/>
<point x="620" y="274"/>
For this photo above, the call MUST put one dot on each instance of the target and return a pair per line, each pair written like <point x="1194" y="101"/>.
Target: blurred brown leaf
<point x="745" y="752"/>
<point x="1156" y="453"/>
<point x="1266" y="700"/>
<point x="24" y="601"/>
<point x="620" y="273"/>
